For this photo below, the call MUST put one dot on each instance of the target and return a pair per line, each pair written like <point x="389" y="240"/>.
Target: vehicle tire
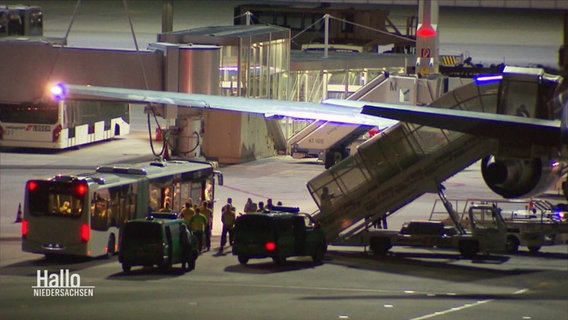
<point x="534" y="249"/>
<point x="243" y="259"/>
<point x="126" y="267"/>
<point x="165" y="266"/>
<point x="318" y="255"/>
<point x="191" y="263"/>
<point x="110" y="246"/>
<point x="512" y="245"/>
<point x="329" y="161"/>
<point x="468" y="248"/>
<point x="279" y="260"/>
<point x="380" y="246"/>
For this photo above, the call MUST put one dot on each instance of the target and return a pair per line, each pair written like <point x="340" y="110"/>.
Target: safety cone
<point x="19" y="214"/>
<point x="158" y="135"/>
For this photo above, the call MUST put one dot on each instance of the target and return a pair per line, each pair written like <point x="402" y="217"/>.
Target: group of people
<point x="229" y="216"/>
<point x="260" y="207"/>
<point x="199" y="219"/>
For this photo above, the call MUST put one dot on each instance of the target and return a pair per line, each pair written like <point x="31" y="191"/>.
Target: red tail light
<point x="270" y="246"/>
<point x="85" y="233"/>
<point x="24" y="228"/>
<point x="32" y="185"/>
<point x="56" y="133"/>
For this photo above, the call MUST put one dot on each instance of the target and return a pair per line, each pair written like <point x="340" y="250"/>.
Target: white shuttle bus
<point x="63" y="124"/>
<point x="81" y="215"/>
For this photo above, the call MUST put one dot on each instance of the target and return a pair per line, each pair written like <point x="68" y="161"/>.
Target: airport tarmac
<point x="350" y="284"/>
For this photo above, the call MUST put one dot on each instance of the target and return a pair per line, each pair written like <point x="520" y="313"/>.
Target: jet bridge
<point x="331" y="141"/>
<point x="328" y="140"/>
<point x="399" y="165"/>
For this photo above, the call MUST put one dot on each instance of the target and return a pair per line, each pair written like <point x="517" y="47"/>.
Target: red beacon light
<point x="58" y="91"/>
<point x="426" y="31"/>
<point x="81" y="189"/>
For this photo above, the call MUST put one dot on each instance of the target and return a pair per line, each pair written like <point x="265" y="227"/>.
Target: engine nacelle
<point x="516" y="178"/>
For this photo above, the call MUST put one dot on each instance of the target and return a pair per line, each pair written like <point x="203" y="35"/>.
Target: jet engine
<point x="516" y="178"/>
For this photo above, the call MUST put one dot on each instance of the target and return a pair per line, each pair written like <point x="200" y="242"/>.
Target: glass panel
<point x="101" y="210"/>
<point x="56" y="199"/>
<point x="351" y="175"/>
<point x="39" y="114"/>
<point x="519" y="98"/>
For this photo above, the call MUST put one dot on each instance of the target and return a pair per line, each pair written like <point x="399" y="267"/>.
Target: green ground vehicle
<point x="157" y="241"/>
<point x="278" y="235"/>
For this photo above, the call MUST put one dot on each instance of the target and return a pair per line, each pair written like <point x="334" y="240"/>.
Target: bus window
<point x="21" y="20"/>
<point x="3" y="24"/>
<point x="184" y="190"/>
<point x="196" y="191"/>
<point x="36" y="23"/>
<point x="64" y="204"/>
<point x="15" y="25"/>
<point x="24" y="113"/>
<point x="166" y="197"/>
<point x="59" y="199"/>
<point x="100" y="211"/>
<point x="209" y="191"/>
<point x="113" y="207"/>
<point x="123" y="204"/>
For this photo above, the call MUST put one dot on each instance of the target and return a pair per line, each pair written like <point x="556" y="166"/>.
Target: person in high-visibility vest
<point x="187" y="212"/>
<point x="208" y="213"/>
<point x="198" y="223"/>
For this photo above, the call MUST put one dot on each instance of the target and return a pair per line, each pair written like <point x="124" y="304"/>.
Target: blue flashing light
<point x="487" y="79"/>
<point x="58" y="91"/>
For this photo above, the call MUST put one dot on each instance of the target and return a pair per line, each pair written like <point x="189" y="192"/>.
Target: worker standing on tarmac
<point x="269" y="205"/>
<point x="208" y="213"/>
<point x="249" y="206"/>
<point x="228" y="218"/>
<point x="198" y="222"/>
<point x="187" y="212"/>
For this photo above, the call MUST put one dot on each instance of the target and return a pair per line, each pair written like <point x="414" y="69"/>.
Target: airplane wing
<point x="341" y="111"/>
<point x="382" y="115"/>
<point x="499" y="126"/>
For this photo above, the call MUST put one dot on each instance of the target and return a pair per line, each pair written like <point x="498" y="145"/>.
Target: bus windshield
<point x="59" y="199"/>
<point x="46" y="114"/>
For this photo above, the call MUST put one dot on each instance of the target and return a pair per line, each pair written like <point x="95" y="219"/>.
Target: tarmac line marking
<point x="465" y="306"/>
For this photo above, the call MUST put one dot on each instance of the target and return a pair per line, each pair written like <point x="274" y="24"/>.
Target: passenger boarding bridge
<point x="399" y="165"/>
<point x="332" y="142"/>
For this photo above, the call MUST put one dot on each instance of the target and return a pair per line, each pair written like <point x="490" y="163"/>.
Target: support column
<point x="167" y="15"/>
<point x="427" y="38"/>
